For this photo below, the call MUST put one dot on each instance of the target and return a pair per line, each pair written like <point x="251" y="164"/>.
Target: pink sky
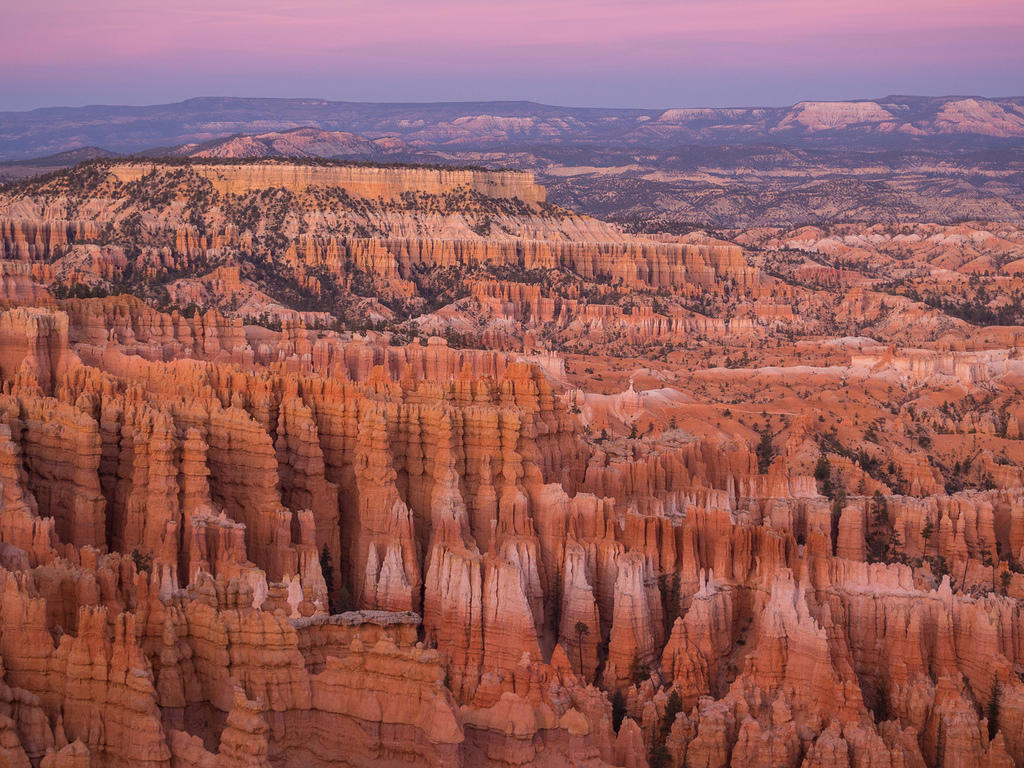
<point x="603" y="52"/>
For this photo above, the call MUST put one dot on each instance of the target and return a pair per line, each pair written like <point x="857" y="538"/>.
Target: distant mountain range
<point x="298" y="142"/>
<point x="890" y="122"/>
<point x="894" y="159"/>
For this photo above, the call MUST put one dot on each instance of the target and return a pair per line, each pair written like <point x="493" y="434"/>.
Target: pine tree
<point x="879" y="540"/>
<point x="143" y="561"/>
<point x="660" y="757"/>
<point x="837" y="511"/>
<point x="327" y="569"/>
<point x="638" y="670"/>
<point x="765" y="451"/>
<point x="822" y="470"/>
<point x="582" y="630"/>
<point x="618" y="710"/>
<point x="992" y="708"/>
<point x="673" y="707"/>
<point x="668" y="586"/>
<point x="927" y="532"/>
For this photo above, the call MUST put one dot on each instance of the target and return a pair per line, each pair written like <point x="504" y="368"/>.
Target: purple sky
<point x="644" y="53"/>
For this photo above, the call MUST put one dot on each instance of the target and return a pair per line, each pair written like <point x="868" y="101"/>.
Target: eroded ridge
<point x="550" y="526"/>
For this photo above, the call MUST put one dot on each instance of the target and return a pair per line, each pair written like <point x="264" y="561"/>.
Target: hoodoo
<point x="317" y="464"/>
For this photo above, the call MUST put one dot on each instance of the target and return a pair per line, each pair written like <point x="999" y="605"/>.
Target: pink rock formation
<point x="742" y="536"/>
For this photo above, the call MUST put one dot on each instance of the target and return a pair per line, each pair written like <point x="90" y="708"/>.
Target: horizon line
<point x="454" y="102"/>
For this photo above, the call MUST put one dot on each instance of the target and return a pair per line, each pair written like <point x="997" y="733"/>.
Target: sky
<point x="615" y="53"/>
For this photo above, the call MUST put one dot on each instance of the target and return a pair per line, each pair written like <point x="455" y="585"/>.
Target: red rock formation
<point x="633" y="641"/>
<point x="687" y="524"/>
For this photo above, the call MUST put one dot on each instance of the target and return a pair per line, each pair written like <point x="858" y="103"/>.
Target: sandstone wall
<point x="371" y="182"/>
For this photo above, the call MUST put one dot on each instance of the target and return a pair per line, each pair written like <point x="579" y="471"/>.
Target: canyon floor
<point x="307" y="462"/>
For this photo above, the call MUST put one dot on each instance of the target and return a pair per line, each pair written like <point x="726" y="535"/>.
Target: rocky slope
<point x="771" y="184"/>
<point x="491" y="483"/>
<point x="299" y="142"/>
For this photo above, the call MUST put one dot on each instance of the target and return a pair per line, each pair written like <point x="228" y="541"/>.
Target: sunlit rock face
<point x="402" y="488"/>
